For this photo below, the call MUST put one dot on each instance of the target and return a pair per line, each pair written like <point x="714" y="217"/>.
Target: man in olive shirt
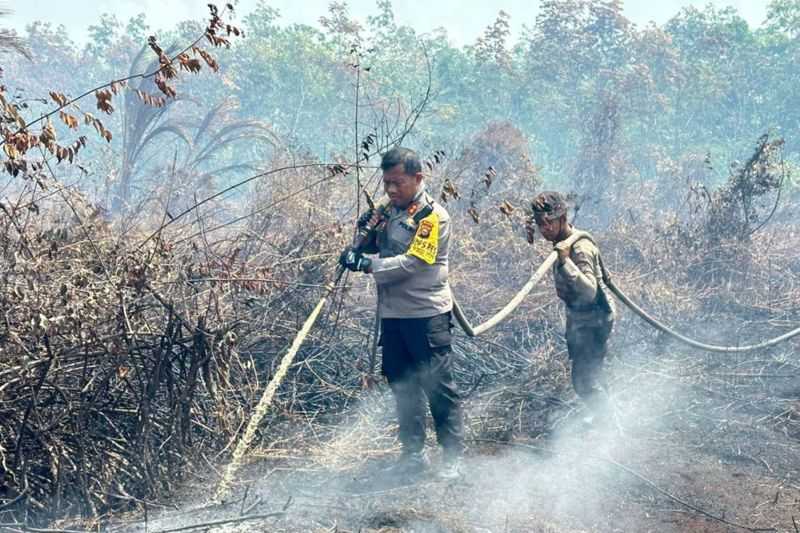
<point x="579" y="283"/>
<point x="411" y="239"/>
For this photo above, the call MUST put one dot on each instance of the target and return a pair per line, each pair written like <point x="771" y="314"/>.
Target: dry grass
<point x="126" y="368"/>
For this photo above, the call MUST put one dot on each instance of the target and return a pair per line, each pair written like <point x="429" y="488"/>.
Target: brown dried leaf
<point x="58" y="98"/>
<point x="449" y="189"/>
<point x="530" y="229"/>
<point x="210" y="61"/>
<point x="69" y="120"/>
<point x="11" y="151"/>
<point x="48" y="135"/>
<point x="117" y="86"/>
<point x="151" y="41"/>
<point x="193" y="65"/>
<point x="163" y="87"/>
<point x="104" y="97"/>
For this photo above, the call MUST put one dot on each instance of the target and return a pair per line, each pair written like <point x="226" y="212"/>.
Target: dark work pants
<point x="587" y="345"/>
<point x="418" y="364"/>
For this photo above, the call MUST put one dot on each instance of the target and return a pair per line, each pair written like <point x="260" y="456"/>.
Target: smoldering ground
<point x="676" y="451"/>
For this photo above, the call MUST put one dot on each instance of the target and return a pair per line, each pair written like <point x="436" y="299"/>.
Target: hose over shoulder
<point x="501" y="315"/>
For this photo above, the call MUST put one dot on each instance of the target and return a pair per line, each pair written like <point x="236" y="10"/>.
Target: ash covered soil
<point x="691" y="443"/>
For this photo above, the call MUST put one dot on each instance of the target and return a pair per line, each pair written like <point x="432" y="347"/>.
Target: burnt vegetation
<point x="165" y="232"/>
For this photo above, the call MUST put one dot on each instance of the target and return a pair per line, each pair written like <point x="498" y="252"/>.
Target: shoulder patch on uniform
<point x="425" y="245"/>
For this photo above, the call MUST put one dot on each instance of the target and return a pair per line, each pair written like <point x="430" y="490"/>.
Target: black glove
<point x="364" y="218"/>
<point x="354" y="261"/>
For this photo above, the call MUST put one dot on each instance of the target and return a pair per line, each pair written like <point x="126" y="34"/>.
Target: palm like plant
<point x="199" y="143"/>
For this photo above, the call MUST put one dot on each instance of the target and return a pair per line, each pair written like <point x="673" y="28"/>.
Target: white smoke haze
<point x="662" y="428"/>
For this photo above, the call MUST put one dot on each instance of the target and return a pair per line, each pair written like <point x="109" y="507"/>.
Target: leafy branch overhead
<point x="18" y="137"/>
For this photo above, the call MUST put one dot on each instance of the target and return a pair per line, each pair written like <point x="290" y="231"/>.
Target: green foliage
<point x="784" y="16"/>
<point x="604" y="104"/>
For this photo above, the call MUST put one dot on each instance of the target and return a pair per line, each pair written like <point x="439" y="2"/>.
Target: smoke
<point x="669" y="437"/>
<point x="567" y="477"/>
<point x="571" y="477"/>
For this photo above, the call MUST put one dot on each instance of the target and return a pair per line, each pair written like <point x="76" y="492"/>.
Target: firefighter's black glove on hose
<point x="354" y="261"/>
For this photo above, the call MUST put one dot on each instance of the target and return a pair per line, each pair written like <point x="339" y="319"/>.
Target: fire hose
<point x="260" y="411"/>
<point x="501" y="315"/>
<point x="682" y="338"/>
<point x="224" y="487"/>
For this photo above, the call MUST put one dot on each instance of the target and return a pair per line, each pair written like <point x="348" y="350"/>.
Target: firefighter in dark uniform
<point x="411" y="239"/>
<point x="590" y="311"/>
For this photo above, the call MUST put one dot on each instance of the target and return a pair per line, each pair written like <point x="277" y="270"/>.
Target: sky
<point x="464" y="20"/>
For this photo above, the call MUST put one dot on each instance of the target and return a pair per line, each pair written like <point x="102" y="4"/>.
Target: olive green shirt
<point x="579" y="281"/>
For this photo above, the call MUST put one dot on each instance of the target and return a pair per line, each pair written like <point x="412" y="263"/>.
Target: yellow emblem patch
<point x="425" y="245"/>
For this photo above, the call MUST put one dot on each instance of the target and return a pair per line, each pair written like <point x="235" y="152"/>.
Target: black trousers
<point x="417" y="363"/>
<point x="588" y="346"/>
